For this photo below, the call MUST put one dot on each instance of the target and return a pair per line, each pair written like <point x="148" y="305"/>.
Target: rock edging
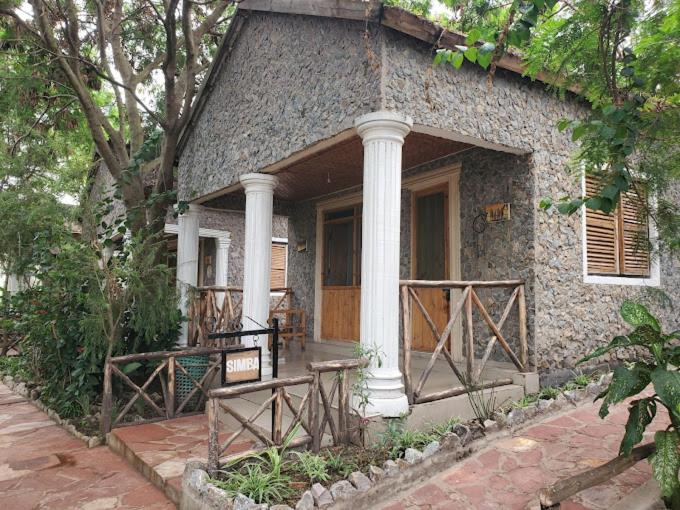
<point x="364" y="490"/>
<point x="33" y="395"/>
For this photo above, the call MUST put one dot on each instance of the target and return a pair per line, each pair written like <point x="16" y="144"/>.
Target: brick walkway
<point x="43" y="466"/>
<point x="509" y="473"/>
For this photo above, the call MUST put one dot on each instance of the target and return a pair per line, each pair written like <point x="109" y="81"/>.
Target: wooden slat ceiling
<point x="341" y="166"/>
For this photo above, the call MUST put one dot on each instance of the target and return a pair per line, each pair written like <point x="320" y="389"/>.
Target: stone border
<point x="33" y="395"/>
<point x="364" y="490"/>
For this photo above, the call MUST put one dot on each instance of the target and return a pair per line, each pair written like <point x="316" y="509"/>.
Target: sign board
<point x="241" y="365"/>
<point x="497" y="212"/>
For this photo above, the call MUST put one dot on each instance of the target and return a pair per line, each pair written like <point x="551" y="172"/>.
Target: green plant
<point x="338" y="464"/>
<point x="442" y="428"/>
<point x="397" y="438"/>
<point x="259" y="475"/>
<point x="548" y="392"/>
<point x="525" y="401"/>
<point x="581" y="380"/>
<point x="256" y="482"/>
<point x="484" y="408"/>
<point x="660" y="369"/>
<point x="360" y="386"/>
<point x="313" y="466"/>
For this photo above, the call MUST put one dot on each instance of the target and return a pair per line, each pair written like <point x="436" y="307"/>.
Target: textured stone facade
<point x="294" y="80"/>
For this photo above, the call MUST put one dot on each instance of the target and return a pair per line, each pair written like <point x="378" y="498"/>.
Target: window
<point x="617" y="244"/>
<point x="279" y="260"/>
<point x="342" y="247"/>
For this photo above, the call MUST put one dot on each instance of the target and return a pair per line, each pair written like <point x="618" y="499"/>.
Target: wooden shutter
<point x="601" y="236"/>
<point x="618" y="243"/>
<point x="278" y="274"/>
<point x="635" y="234"/>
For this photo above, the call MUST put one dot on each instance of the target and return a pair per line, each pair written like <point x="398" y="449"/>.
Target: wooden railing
<point x="166" y="370"/>
<point x="214" y="309"/>
<point x="473" y="368"/>
<point x="316" y="400"/>
<point x="292" y="321"/>
<point x="219" y="309"/>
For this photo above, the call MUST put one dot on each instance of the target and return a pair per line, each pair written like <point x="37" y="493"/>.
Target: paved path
<point x="509" y="473"/>
<point x="43" y="466"/>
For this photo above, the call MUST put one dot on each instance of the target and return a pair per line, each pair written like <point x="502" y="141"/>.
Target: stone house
<point x="332" y="114"/>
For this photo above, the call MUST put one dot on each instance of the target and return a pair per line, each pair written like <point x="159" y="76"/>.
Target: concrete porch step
<point x="160" y="450"/>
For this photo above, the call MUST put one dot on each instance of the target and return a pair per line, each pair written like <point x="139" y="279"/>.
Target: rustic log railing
<point x="166" y="370"/>
<point x="292" y="321"/>
<point x="316" y="400"/>
<point x="214" y="309"/>
<point x="218" y="309"/>
<point x="473" y="368"/>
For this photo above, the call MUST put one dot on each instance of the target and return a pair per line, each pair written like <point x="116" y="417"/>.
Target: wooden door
<point x="341" y="289"/>
<point x="430" y="249"/>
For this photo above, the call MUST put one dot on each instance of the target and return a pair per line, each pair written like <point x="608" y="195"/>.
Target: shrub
<point x="659" y="368"/>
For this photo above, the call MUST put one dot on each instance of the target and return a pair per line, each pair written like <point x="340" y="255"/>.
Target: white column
<point x="383" y="136"/>
<point x="257" y="256"/>
<point x="222" y="265"/>
<point x="187" y="262"/>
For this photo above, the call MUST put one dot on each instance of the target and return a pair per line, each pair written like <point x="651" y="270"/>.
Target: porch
<point x="384" y="201"/>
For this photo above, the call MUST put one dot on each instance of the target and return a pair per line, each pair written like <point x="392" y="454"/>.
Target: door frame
<point x="448" y="175"/>
<point x="350" y="200"/>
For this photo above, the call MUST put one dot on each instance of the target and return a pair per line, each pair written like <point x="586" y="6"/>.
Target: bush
<point x="79" y="311"/>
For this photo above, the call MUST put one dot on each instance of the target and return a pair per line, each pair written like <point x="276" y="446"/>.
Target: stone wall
<point x="289" y="82"/>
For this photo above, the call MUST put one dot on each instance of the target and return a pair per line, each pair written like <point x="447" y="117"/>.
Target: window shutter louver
<point x="635" y="230"/>
<point x="278" y="274"/>
<point x="601" y="238"/>
<point x="618" y="243"/>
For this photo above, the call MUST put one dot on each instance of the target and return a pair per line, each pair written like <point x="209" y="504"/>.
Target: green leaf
<point x="625" y="383"/>
<point x="471" y="54"/>
<point x="667" y="387"/>
<point x="546" y="203"/>
<point x="441" y="56"/>
<point x="636" y="314"/>
<point x="485" y="53"/>
<point x="578" y="132"/>
<point x="473" y="36"/>
<point x="563" y="124"/>
<point x="457" y="60"/>
<point x="610" y="191"/>
<point x="131" y="367"/>
<point x="617" y="342"/>
<point x="665" y="461"/>
<point x="594" y="203"/>
<point x="640" y="414"/>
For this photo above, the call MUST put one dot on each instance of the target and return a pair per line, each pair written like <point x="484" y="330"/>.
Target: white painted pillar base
<point x="222" y="265"/>
<point x="383" y="137"/>
<point x="259" y="189"/>
<point x="187" y="263"/>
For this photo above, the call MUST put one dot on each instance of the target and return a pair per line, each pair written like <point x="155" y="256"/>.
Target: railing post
<point x="170" y="404"/>
<point x="278" y="417"/>
<point x="314" y="413"/>
<point x="343" y="406"/>
<point x="408" y="340"/>
<point x="213" y="437"/>
<point x="107" y="399"/>
<point x="470" y="347"/>
<point x="523" y="342"/>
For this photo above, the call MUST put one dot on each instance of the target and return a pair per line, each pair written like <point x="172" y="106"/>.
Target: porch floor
<point x="294" y="361"/>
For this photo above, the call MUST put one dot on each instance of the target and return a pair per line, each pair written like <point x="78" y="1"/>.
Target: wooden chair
<point x="292" y="321"/>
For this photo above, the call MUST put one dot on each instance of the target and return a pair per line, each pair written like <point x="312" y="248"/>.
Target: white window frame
<point x="654" y="278"/>
<point x="281" y="240"/>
